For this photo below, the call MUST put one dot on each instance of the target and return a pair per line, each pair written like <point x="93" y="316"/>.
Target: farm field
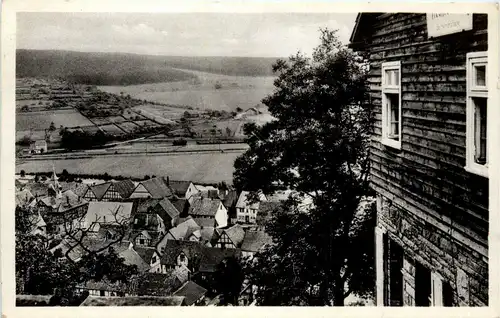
<point x="154" y="115"/>
<point x="232" y="91"/>
<point x="41" y="120"/>
<point x="111" y="129"/>
<point x="206" y="167"/>
<point x="160" y="112"/>
<point x="127" y="126"/>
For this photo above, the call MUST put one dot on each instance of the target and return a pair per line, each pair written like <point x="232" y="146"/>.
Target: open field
<point x="42" y="120"/>
<point x="153" y="115"/>
<point x="127" y="126"/>
<point x="205" y="167"/>
<point x="111" y="129"/>
<point x="159" y="111"/>
<point x="209" y="91"/>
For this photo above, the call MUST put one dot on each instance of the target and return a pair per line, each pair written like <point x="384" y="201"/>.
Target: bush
<point x="180" y="142"/>
<point x="25" y="141"/>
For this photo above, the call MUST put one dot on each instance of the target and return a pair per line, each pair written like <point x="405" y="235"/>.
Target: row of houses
<point x="170" y="199"/>
<point x="158" y="227"/>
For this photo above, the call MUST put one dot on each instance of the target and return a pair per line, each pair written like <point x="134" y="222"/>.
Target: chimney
<point x="67" y="200"/>
<point x="168" y="180"/>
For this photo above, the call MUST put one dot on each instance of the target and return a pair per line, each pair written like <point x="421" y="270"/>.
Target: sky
<point x="184" y="34"/>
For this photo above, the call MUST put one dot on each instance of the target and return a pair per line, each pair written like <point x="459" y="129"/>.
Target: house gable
<point x="140" y="192"/>
<point x="224" y="241"/>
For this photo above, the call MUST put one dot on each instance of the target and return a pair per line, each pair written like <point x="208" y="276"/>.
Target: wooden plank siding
<point x="429" y="168"/>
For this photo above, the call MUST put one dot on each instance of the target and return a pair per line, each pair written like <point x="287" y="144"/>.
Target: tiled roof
<point x="24" y="197"/>
<point x="146" y="253"/>
<point x="213" y="256"/>
<point x="180" y="204"/>
<point x="182" y="273"/>
<point x="77" y="187"/>
<point x="33" y="300"/>
<point x="106" y="285"/>
<point x="38" y="189"/>
<point x="244" y="200"/>
<point x="179" y="187"/>
<point x="204" y="206"/>
<point x="192" y="292"/>
<point x="66" y="202"/>
<point x="108" y="212"/>
<point x="209" y="234"/>
<point x="255" y="240"/>
<point x="236" y="233"/>
<point x="74" y="250"/>
<point x="133" y="301"/>
<point x="169" y="208"/>
<point x="204" y="222"/>
<point x="157" y="187"/>
<point x="131" y="257"/>
<point x="230" y="199"/>
<point x="174" y="248"/>
<point x="124" y="187"/>
<point x="146" y="221"/>
<point x="100" y="189"/>
<point x="181" y="231"/>
<point x="144" y="205"/>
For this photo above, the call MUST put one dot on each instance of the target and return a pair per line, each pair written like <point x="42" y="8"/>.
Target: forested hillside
<point x="130" y="69"/>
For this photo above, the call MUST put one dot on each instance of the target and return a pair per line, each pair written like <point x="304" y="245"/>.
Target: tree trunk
<point x="338" y="295"/>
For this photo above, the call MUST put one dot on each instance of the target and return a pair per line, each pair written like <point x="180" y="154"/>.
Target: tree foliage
<point x="229" y="278"/>
<point x="42" y="271"/>
<point x="317" y="147"/>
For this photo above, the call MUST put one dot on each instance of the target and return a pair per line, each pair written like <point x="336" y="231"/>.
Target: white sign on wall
<point x="439" y="24"/>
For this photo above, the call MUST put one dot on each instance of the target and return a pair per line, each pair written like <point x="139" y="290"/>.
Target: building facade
<point x="428" y="77"/>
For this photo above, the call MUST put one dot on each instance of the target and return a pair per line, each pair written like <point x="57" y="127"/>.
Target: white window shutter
<point x="437" y="290"/>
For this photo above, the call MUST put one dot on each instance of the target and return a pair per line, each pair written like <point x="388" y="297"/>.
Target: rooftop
<point x="191" y="292"/>
<point x="245" y="201"/>
<point x="179" y="187"/>
<point x="133" y="301"/>
<point x="204" y="206"/>
<point x="108" y="212"/>
<point x="255" y="240"/>
<point x="157" y="187"/>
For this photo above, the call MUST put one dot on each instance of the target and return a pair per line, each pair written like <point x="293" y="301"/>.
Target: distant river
<point x="208" y="91"/>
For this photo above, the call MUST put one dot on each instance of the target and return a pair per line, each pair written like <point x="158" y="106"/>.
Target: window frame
<point x="396" y="90"/>
<point x="475" y="59"/>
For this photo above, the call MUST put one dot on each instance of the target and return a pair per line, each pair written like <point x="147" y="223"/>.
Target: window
<point x="153" y="260"/>
<point x="423" y="285"/>
<point x="477" y="114"/>
<point x="391" y="104"/>
<point x="141" y="241"/>
<point x="394" y="287"/>
<point x="447" y="294"/>
<point x="441" y="292"/>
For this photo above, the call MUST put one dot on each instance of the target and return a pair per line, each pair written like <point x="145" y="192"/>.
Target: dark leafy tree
<point x="106" y="265"/>
<point x="229" y="278"/>
<point x="318" y="147"/>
